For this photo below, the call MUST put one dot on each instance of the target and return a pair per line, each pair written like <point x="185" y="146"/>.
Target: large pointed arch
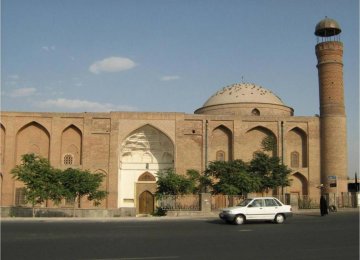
<point x="221" y="142"/>
<point x="71" y="145"/>
<point x="297" y="143"/>
<point x="32" y="138"/>
<point x="145" y="149"/>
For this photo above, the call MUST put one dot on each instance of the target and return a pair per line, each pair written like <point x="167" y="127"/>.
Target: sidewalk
<point x="180" y="215"/>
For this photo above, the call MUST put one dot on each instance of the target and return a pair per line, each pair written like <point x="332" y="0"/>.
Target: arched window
<point x="294" y="163"/>
<point x="255" y="112"/>
<point x="68" y="159"/>
<point x="220" y="156"/>
<point x="146" y="176"/>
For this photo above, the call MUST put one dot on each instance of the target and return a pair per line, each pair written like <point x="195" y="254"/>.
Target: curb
<point x="151" y="218"/>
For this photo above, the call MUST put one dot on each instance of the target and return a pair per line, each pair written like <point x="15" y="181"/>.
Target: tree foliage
<point x="171" y="183"/>
<point x="269" y="170"/>
<point x="268" y="144"/>
<point x="79" y="183"/>
<point x="43" y="182"/>
<point x="231" y="178"/>
<point x="235" y="177"/>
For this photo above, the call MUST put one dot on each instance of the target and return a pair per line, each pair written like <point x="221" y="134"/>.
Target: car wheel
<point x="239" y="219"/>
<point x="279" y="218"/>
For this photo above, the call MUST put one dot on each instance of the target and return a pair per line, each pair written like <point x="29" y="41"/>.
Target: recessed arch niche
<point x="298" y="184"/>
<point x="71" y="145"/>
<point x="221" y="143"/>
<point x="254" y="138"/>
<point x="296" y="143"/>
<point x="32" y="138"/>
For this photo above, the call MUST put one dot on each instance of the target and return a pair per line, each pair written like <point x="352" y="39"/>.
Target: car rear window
<point x="270" y="203"/>
<point x="278" y="202"/>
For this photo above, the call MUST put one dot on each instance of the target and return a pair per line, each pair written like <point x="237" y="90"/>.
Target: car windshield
<point x="244" y="202"/>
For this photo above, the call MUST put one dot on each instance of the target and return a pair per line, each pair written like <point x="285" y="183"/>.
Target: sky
<point x="169" y="55"/>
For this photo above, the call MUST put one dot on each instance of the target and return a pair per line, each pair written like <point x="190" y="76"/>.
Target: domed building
<point x="131" y="147"/>
<point x="245" y="99"/>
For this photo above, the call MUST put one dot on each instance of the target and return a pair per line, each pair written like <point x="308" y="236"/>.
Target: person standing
<point x="323" y="206"/>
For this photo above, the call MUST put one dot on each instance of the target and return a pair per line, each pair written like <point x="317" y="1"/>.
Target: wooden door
<point x="146" y="203"/>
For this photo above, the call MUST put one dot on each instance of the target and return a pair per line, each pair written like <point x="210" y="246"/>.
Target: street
<point x="335" y="236"/>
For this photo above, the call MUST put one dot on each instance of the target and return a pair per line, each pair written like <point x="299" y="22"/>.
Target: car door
<point x="270" y="209"/>
<point x="255" y="209"/>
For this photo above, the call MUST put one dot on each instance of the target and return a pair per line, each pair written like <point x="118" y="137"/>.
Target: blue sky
<point x="169" y="55"/>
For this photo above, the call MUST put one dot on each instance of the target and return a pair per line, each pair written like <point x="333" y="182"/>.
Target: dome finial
<point x="327" y="27"/>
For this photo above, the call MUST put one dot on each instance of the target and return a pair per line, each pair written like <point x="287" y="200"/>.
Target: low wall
<point x="66" y="212"/>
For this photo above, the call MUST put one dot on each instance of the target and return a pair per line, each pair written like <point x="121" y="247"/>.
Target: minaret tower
<point x="329" y="52"/>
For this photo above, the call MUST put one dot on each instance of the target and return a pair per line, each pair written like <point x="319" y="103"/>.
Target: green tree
<point x="79" y="183"/>
<point x="42" y="182"/>
<point x="269" y="170"/>
<point x="268" y="144"/>
<point x="232" y="178"/>
<point x="171" y="183"/>
<point x="200" y="182"/>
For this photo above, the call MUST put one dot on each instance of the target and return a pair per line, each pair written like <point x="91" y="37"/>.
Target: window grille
<point x="295" y="160"/>
<point x="20" y="196"/>
<point x="68" y="159"/>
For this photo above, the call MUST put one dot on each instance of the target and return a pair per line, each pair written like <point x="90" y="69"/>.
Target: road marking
<point x="245" y="230"/>
<point x="139" y="258"/>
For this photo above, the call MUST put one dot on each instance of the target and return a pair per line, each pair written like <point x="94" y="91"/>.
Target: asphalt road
<point x="335" y="236"/>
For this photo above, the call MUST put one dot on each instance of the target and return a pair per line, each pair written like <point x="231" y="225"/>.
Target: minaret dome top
<point x="327" y="27"/>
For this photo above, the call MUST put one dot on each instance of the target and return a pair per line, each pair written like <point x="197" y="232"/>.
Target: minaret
<point x="329" y="52"/>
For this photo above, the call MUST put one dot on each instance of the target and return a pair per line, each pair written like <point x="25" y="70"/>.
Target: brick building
<point x="130" y="147"/>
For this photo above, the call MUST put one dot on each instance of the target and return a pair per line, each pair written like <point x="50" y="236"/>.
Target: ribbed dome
<point x="243" y="93"/>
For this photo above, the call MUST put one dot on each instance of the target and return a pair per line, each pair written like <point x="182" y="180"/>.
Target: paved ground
<point x="305" y="236"/>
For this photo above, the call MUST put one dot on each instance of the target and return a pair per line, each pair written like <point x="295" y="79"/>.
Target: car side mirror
<point x="250" y="206"/>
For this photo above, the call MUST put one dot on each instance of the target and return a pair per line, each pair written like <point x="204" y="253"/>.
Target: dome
<point x="243" y="93"/>
<point x="327" y="27"/>
<point x="245" y="99"/>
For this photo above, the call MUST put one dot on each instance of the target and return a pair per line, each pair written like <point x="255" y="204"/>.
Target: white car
<point x="262" y="208"/>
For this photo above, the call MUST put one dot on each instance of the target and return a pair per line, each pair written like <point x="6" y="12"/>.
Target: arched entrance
<point x="146" y="149"/>
<point x="146" y="203"/>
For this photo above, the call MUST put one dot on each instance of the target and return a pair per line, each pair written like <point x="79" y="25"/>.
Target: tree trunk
<point x="33" y="210"/>
<point x="79" y="201"/>
<point x="77" y="198"/>
<point x="74" y="207"/>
